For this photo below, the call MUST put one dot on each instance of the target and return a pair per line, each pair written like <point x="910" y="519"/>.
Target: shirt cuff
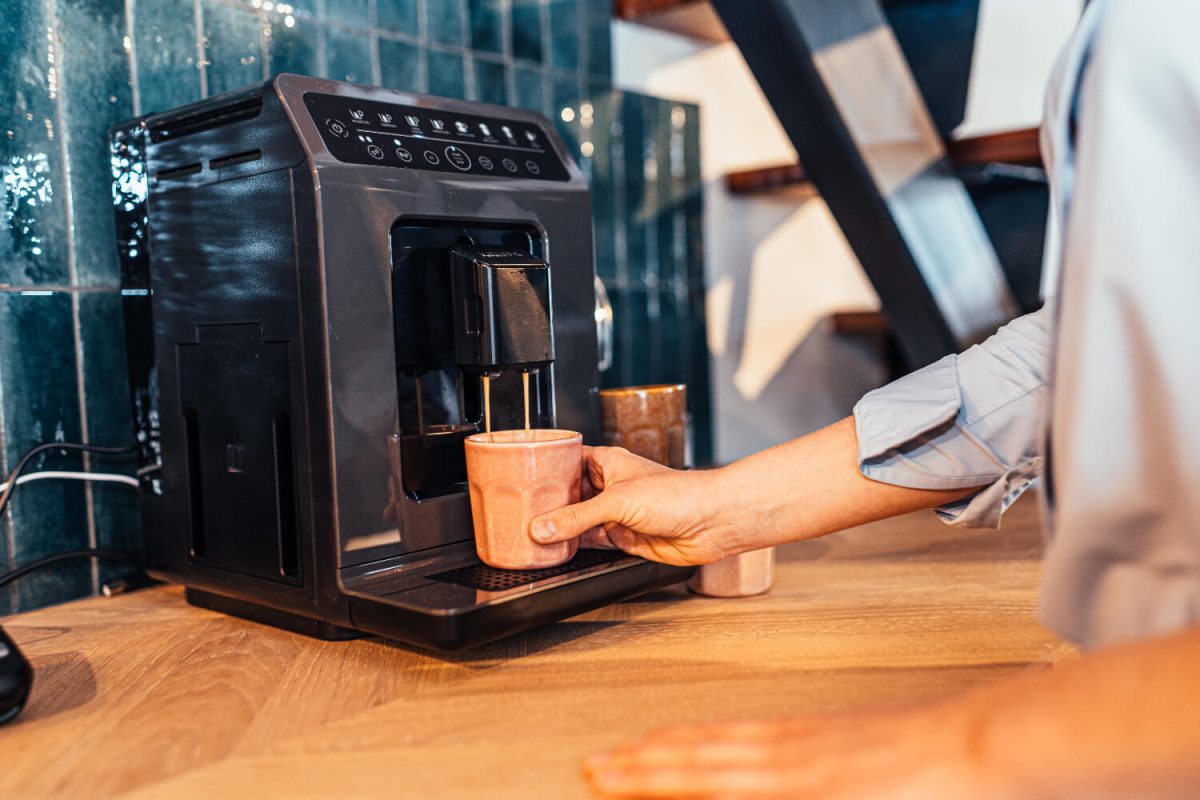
<point x="912" y="433"/>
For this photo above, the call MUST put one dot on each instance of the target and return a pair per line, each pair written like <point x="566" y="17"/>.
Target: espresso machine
<point x="317" y="278"/>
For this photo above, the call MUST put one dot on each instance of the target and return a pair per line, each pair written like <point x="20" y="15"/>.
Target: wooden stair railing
<point x="687" y="17"/>
<point x="1011" y="147"/>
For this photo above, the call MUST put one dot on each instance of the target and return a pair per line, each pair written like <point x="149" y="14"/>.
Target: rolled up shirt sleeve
<point x="972" y="419"/>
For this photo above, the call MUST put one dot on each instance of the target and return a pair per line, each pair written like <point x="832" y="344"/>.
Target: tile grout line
<point x="373" y="26"/>
<point x="264" y="33"/>
<point x="322" y="44"/>
<point x="131" y="56"/>
<point x="510" y="66"/>
<point x="201" y="50"/>
<point x="465" y="36"/>
<point x="422" y="41"/>
<point x="60" y="110"/>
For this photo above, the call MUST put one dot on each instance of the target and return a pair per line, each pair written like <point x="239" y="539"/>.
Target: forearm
<point x="811" y="486"/>
<point x="1119" y="723"/>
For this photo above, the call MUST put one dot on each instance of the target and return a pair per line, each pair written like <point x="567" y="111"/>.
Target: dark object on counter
<point x="294" y="326"/>
<point x="16" y="679"/>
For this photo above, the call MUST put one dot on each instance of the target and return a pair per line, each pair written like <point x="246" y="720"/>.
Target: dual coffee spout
<point x="502" y="316"/>
<point x="502" y="310"/>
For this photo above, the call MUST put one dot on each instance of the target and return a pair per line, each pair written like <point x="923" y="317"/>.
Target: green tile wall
<point x="72" y="68"/>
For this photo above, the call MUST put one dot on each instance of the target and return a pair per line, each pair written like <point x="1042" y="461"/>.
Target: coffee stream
<point x="487" y="402"/>
<point x="525" y="388"/>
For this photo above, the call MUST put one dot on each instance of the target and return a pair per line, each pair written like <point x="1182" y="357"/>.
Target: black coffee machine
<point x="316" y="276"/>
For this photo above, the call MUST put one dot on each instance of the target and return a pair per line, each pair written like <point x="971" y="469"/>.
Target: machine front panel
<point x="373" y="133"/>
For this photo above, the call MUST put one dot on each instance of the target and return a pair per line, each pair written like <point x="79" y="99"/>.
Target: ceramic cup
<point x="649" y="421"/>
<point x="513" y="477"/>
<point x="742" y="575"/>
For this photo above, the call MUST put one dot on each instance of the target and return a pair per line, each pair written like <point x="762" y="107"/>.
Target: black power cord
<point x="92" y="552"/>
<point x="89" y="552"/>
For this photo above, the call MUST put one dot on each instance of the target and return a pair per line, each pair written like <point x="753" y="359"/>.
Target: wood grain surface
<point x="142" y="695"/>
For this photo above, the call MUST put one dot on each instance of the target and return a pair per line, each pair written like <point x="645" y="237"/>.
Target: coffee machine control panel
<point x="391" y="135"/>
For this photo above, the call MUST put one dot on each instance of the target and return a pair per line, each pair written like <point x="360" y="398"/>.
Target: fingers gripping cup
<point x="515" y="476"/>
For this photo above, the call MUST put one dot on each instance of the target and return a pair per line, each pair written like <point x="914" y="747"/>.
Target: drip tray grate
<point x="490" y="579"/>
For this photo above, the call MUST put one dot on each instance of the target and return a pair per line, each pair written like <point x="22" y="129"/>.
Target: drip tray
<point x="491" y="579"/>
<point x="454" y="601"/>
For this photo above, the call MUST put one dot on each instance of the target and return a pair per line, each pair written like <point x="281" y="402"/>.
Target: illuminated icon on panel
<point x="462" y="127"/>
<point x="386" y="119"/>
<point x="337" y="128"/>
<point x="531" y="136"/>
<point x="414" y="121"/>
<point x="485" y="129"/>
<point x="438" y="125"/>
<point x="508" y="133"/>
<point x="358" y="115"/>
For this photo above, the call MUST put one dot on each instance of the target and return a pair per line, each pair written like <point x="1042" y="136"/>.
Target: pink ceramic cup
<point x="743" y="575"/>
<point x="514" y="477"/>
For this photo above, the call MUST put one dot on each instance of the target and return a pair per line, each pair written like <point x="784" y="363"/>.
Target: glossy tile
<point x="604" y="184"/>
<point x="401" y="66"/>
<point x="444" y="22"/>
<point x="487" y="24"/>
<point x="95" y="77"/>
<point x="348" y="12"/>
<point x="491" y="81"/>
<point x="293" y="48"/>
<point x="598" y="35"/>
<point x="231" y="48"/>
<point x="566" y="92"/>
<point x="566" y="34"/>
<point x="41" y="404"/>
<point x="447" y="77"/>
<point x="529" y="88"/>
<point x="633" y="169"/>
<point x="347" y="55"/>
<point x="33" y="228"/>
<point x="400" y="16"/>
<point x="164" y="43"/>
<point x="527" y="22"/>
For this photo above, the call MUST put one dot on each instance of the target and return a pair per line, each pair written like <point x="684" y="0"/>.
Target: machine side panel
<point x="231" y="400"/>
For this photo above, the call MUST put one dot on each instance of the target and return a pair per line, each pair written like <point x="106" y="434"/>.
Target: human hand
<point x="645" y="509"/>
<point x="921" y="754"/>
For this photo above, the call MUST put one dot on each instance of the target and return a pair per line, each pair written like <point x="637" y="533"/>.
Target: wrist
<point x="731" y="510"/>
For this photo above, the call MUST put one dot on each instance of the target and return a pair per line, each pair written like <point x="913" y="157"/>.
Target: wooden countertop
<point x="143" y="695"/>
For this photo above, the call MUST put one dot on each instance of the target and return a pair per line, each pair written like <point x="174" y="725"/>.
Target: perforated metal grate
<point x="490" y="579"/>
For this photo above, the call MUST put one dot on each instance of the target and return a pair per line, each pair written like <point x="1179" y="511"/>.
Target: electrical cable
<point x="101" y="477"/>
<point x="11" y="483"/>
<point x="91" y="552"/>
<point x="15" y="479"/>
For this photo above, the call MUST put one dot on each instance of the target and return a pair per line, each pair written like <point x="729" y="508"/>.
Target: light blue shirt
<point x="1100" y="390"/>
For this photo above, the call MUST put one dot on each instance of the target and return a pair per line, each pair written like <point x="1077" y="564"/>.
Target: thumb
<point x="571" y="521"/>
